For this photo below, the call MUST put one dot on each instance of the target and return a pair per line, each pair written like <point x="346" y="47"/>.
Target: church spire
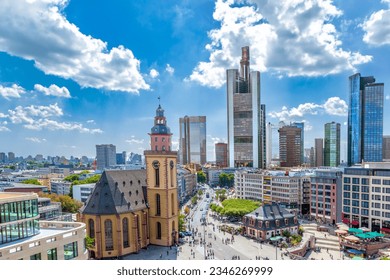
<point x="160" y="134"/>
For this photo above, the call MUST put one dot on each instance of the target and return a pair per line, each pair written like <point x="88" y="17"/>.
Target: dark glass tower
<point x="365" y="119"/>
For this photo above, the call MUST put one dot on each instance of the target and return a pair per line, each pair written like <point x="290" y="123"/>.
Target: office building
<point x="11" y="157"/>
<point x="121" y="158"/>
<point x="319" y="151"/>
<point x="3" y="158"/>
<point x="326" y="195"/>
<point x="290" y="189"/>
<point x="192" y="140"/>
<point x="290" y="146"/>
<point x="24" y="237"/>
<point x="245" y="120"/>
<point x="332" y="144"/>
<point x="301" y="125"/>
<point x="221" y="155"/>
<point x="386" y="148"/>
<point x="366" y="196"/>
<point x="105" y="156"/>
<point x="365" y="119"/>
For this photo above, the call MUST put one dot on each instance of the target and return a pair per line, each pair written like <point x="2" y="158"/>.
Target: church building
<point x="131" y="209"/>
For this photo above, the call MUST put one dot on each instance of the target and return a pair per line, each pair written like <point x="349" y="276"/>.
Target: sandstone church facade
<point x="131" y="209"/>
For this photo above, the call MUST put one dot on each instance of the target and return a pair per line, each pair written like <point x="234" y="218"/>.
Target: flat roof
<point x="11" y="196"/>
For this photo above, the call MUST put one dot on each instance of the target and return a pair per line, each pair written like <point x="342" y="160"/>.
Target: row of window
<point x="70" y="252"/>
<point x="18" y="231"/>
<point x="18" y="210"/>
<point x="366" y="181"/>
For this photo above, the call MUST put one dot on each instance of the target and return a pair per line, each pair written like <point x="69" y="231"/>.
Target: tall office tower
<point x="3" y="157"/>
<point x="332" y="144"/>
<point x="11" y="157"/>
<point x="386" y="148"/>
<point x="319" y="151"/>
<point x="221" y="154"/>
<point x="121" y="158"/>
<point x="301" y="125"/>
<point x="268" y="144"/>
<point x="290" y="146"/>
<point x="192" y="140"/>
<point x="105" y="156"/>
<point x="244" y="115"/>
<point x="365" y="119"/>
<point x="312" y="157"/>
<point x="263" y="134"/>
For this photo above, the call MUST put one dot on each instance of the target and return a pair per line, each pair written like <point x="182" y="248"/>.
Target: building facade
<point x="332" y="144"/>
<point x="319" y="151"/>
<point x="365" y="119"/>
<point x="244" y="117"/>
<point x="326" y="195"/>
<point x="386" y="148"/>
<point x="192" y="140"/>
<point x="290" y="146"/>
<point x="131" y="209"/>
<point x="290" y="190"/>
<point x="366" y="196"/>
<point x="221" y="155"/>
<point x="105" y="156"/>
<point x="24" y="237"/>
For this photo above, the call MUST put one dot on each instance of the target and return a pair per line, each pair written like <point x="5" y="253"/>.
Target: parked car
<point x="187" y="233"/>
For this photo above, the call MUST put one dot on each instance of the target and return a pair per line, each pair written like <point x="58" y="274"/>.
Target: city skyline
<point x="91" y="72"/>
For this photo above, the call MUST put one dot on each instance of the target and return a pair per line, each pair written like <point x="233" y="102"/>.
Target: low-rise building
<point x="268" y="221"/>
<point x="24" y="237"/>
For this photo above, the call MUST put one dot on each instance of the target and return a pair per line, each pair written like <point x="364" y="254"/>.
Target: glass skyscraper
<point x="365" y="119"/>
<point x="192" y="140"/>
<point x="332" y="144"/>
<point x="246" y="122"/>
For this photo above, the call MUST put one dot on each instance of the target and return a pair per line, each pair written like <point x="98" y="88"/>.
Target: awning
<point x="352" y="238"/>
<point x="355" y="230"/>
<point x="368" y="235"/>
<point x="357" y="258"/>
<point x="387" y="230"/>
<point x="276" y="238"/>
<point x="355" y="252"/>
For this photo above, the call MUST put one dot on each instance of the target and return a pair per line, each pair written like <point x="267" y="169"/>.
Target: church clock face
<point x="156" y="164"/>
<point x="171" y="164"/>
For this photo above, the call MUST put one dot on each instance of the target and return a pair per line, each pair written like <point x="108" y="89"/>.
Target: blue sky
<point x="78" y="73"/>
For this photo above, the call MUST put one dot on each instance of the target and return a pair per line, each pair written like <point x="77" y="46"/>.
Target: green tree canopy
<point x="201" y="177"/>
<point x="68" y="204"/>
<point x="226" y="180"/>
<point x="31" y="182"/>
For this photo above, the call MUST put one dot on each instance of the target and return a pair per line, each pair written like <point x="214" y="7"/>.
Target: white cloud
<point x="154" y="73"/>
<point x="387" y="96"/>
<point x="91" y="121"/>
<point x="14" y="91"/>
<point x="35" y="139"/>
<point x="3" y="115"/>
<point x="377" y="27"/>
<point x="53" y="90"/>
<point x="4" y="128"/>
<point x="169" y="69"/>
<point x="334" y="106"/>
<point x="133" y="140"/>
<point x="293" y="38"/>
<point x="39" y="31"/>
<point x="39" y="117"/>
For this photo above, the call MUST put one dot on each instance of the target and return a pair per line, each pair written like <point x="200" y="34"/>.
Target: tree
<point x="226" y="180"/>
<point x="68" y="204"/>
<point x="182" y="226"/>
<point x="31" y="182"/>
<point x="201" y="177"/>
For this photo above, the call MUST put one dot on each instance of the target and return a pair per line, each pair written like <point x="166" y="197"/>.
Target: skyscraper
<point x="105" y="156"/>
<point x="365" y="119"/>
<point x="192" y="140"/>
<point x="221" y="154"/>
<point x="332" y="144"/>
<point x="301" y="125"/>
<point x="319" y="151"/>
<point x="386" y="148"/>
<point x="245" y="133"/>
<point x="290" y="146"/>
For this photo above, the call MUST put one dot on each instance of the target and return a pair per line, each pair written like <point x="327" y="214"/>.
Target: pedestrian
<point x="161" y="256"/>
<point x="167" y="253"/>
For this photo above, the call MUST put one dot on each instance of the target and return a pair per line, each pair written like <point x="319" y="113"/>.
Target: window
<point x="125" y="232"/>
<point x="91" y="225"/>
<point x="108" y="235"/>
<point x="52" y="254"/>
<point x="347" y="180"/>
<point x="36" y="257"/>
<point x="355" y="181"/>
<point x="70" y="251"/>
<point x="158" y="230"/>
<point x="173" y="204"/>
<point x="158" y="206"/>
<point x="376" y="181"/>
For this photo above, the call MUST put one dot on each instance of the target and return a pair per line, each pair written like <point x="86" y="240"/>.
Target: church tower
<point x="162" y="194"/>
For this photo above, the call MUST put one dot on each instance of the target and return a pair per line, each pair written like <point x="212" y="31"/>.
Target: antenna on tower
<point x="159" y="100"/>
